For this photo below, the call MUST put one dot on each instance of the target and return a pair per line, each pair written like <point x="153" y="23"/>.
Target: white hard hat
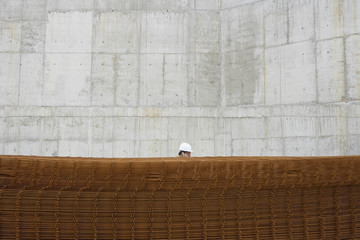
<point x="185" y="147"/>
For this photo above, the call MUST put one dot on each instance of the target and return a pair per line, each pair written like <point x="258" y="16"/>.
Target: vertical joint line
<point x="44" y="58"/>
<point x="287" y="22"/>
<point x="20" y="54"/>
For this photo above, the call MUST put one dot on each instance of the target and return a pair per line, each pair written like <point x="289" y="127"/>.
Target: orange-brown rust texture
<point x="173" y="198"/>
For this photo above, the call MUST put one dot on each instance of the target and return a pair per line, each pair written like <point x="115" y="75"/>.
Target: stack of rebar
<point x="178" y="198"/>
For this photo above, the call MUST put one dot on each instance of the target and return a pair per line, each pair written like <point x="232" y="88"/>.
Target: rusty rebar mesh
<point x="175" y="198"/>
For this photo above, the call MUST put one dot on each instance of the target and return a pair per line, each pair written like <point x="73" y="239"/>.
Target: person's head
<point x="185" y="150"/>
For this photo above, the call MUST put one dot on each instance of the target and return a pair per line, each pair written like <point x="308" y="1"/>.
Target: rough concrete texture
<point x="127" y="78"/>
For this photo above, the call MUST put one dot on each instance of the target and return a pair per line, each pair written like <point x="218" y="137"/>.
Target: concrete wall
<point x="106" y="78"/>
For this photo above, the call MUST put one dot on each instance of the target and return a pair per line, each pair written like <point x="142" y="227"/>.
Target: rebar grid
<point x="173" y="198"/>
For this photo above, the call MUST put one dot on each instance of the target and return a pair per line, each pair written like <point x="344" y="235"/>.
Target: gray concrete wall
<point x="106" y="78"/>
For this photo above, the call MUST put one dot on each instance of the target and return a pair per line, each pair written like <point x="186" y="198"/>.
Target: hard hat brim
<point x="185" y="150"/>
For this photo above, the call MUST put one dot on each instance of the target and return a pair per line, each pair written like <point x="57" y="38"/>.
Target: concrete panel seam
<point x="350" y="35"/>
<point x="315" y="51"/>
<point x="115" y="60"/>
<point x="242" y="4"/>
<point x="92" y="59"/>
<point x="345" y="69"/>
<point x="21" y="40"/>
<point x="282" y="136"/>
<point x="139" y="61"/>
<point x="212" y="112"/>
<point x="44" y="50"/>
